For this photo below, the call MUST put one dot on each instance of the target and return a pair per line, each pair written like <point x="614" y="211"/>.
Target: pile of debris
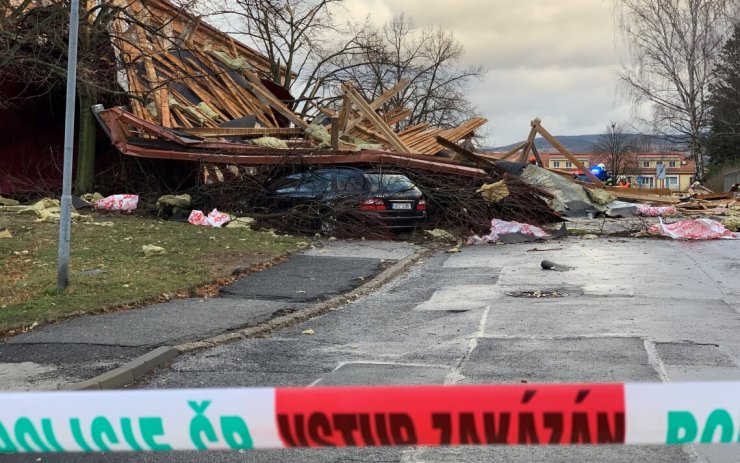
<point x="197" y="97"/>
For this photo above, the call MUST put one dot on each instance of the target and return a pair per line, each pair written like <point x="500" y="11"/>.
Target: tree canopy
<point x="723" y="143"/>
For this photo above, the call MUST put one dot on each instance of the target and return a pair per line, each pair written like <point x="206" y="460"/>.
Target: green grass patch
<point x="108" y="267"/>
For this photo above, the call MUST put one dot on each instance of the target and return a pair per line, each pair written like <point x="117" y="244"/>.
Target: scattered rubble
<point x="213" y="219"/>
<point x="732" y="222"/>
<point x="655" y="211"/>
<point x="150" y="250"/>
<point x="501" y="228"/>
<point x="119" y="202"/>
<point x="494" y="192"/>
<point x="241" y="222"/>
<point x="8" y="202"/>
<point x="698" y="229"/>
<point x="92" y="198"/>
<point x="173" y="201"/>
<point x="204" y="103"/>
<point x="570" y="199"/>
<point x="441" y="235"/>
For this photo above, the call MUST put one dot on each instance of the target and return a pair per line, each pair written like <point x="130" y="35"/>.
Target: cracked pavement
<point x="635" y="311"/>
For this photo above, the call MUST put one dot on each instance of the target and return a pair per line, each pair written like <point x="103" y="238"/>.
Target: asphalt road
<point x="55" y="356"/>
<point x="631" y="311"/>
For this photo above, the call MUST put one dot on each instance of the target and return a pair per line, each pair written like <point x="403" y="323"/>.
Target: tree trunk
<point x="85" y="177"/>
<point x="85" y="143"/>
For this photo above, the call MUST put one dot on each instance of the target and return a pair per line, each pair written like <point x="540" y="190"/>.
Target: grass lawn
<point x="108" y="268"/>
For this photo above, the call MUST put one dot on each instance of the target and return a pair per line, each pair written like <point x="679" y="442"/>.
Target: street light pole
<point x="65" y="222"/>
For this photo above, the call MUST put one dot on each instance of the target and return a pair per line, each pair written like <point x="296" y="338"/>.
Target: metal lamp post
<point x="65" y="222"/>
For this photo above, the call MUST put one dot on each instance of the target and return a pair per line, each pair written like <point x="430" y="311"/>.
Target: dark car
<point x="336" y="194"/>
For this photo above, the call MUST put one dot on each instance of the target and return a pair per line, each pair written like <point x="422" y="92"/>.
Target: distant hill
<point x="585" y="143"/>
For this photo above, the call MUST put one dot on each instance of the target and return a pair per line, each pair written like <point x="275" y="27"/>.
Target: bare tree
<point x="430" y="58"/>
<point x="614" y="148"/>
<point x="33" y="59"/>
<point x="674" y="45"/>
<point x="301" y="39"/>
<point x="312" y="55"/>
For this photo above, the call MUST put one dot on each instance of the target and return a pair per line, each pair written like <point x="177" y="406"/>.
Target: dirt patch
<point x="234" y="262"/>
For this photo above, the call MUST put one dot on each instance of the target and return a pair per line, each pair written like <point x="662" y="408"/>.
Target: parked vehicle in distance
<point x="347" y="193"/>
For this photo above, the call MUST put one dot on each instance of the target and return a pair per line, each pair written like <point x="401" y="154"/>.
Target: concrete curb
<point x="130" y="372"/>
<point x="140" y="366"/>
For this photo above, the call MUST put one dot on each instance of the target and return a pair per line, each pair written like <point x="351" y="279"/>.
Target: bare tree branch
<point x="674" y="45"/>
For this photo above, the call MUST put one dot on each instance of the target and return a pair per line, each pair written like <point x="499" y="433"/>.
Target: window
<point x="671" y="181"/>
<point x="568" y="164"/>
<point x="671" y="163"/>
<point x="556" y="164"/>
<point x="389" y="184"/>
<point x="349" y="182"/>
<point x="645" y="181"/>
<point x="645" y="163"/>
<point x="311" y="182"/>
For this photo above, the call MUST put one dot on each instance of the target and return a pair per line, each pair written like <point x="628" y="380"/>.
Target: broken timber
<point x="173" y="146"/>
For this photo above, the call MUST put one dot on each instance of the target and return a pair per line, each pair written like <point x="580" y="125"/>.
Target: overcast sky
<point x="553" y="59"/>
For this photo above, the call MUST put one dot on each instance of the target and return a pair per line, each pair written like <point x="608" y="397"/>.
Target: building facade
<point x="642" y="172"/>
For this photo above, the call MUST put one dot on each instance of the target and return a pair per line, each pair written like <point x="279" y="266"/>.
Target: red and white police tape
<point x="204" y="419"/>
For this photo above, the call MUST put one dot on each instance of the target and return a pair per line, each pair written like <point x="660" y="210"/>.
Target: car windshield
<point x="389" y="183"/>
<point x="312" y="182"/>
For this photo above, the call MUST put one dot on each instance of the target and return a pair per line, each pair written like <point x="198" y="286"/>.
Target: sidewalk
<point x="58" y="356"/>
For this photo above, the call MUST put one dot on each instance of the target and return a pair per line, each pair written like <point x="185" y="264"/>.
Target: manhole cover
<point x="537" y="293"/>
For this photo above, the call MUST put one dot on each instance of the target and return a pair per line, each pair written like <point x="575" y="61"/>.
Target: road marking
<point x="374" y="362"/>
<point x="659" y="367"/>
<point x="655" y="360"/>
<point x="455" y="375"/>
<point x="556" y="338"/>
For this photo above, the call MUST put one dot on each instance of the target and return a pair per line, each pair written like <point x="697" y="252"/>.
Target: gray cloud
<point x="553" y="59"/>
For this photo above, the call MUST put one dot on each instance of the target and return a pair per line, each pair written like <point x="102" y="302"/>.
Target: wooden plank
<point x="469" y="155"/>
<point x="366" y="131"/>
<point x="184" y="72"/>
<point x="344" y="115"/>
<point x="378" y="102"/>
<point x="628" y="193"/>
<point x="233" y="98"/>
<point x="413" y="129"/>
<point x="398" y="117"/>
<point x="274" y="103"/>
<point x="335" y="133"/>
<point x="714" y="196"/>
<point x="537" y="155"/>
<point x="421" y="139"/>
<point x="248" y="100"/>
<point x="529" y="143"/>
<point x="247" y="132"/>
<point x="377" y="122"/>
<point x="645" y="191"/>
<point x="513" y="151"/>
<point x="151" y="73"/>
<point x="554" y="142"/>
<point x="455" y="134"/>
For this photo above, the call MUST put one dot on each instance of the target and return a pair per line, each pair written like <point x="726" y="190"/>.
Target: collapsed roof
<point x="182" y="72"/>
